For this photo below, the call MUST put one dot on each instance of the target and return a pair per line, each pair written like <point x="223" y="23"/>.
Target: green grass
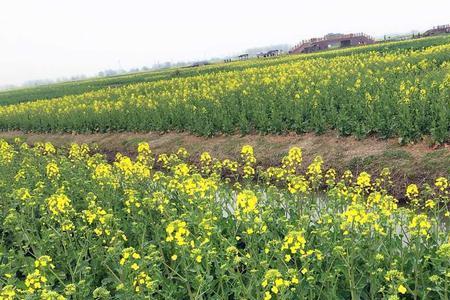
<point x="396" y="154"/>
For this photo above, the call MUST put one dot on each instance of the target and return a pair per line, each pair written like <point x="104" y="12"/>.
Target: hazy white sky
<point x="42" y="39"/>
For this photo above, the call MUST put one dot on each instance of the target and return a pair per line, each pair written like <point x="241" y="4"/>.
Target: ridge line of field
<point x="411" y="163"/>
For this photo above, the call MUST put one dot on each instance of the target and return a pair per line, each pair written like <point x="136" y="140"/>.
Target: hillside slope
<point x="82" y="86"/>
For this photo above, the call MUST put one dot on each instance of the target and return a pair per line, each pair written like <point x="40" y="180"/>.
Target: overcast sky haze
<point x="47" y="39"/>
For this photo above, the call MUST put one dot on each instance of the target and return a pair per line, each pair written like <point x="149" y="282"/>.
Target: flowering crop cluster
<point x="76" y="226"/>
<point x="94" y="84"/>
<point x="392" y="91"/>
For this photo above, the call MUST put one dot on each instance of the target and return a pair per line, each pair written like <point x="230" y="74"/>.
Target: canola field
<point x="76" y="226"/>
<point x="81" y="86"/>
<point x="396" y="91"/>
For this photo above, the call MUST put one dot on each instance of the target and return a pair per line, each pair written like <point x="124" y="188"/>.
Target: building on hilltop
<point x="243" y="56"/>
<point x="441" y="29"/>
<point x="332" y="41"/>
<point x="200" y="63"/>
<point x="269" y="53"/>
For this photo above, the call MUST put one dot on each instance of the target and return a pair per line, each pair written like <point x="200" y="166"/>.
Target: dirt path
<point x="418" y="162"/>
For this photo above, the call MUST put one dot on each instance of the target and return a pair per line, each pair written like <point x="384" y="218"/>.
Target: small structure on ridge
<point x="332" y="41"/>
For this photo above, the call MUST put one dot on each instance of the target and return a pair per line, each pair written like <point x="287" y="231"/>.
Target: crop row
<point x="75" y="226"/>
<point x="82" y="86"/>
<point x="402" y="93"/>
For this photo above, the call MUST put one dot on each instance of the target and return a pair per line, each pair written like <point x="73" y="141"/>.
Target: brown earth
<point x="411" y="163"/>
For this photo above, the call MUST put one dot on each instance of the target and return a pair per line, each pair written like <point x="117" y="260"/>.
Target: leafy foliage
<point x="75" y="226"/>
<point x="398" y="89"/>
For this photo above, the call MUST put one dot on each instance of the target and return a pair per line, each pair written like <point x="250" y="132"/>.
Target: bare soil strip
<point x="411" y="163"/>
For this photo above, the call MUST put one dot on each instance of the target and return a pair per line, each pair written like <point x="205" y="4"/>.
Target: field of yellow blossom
<point x="77" y="226"/>
<point x="82" y="86"/>
<point x="396" y="91"/>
